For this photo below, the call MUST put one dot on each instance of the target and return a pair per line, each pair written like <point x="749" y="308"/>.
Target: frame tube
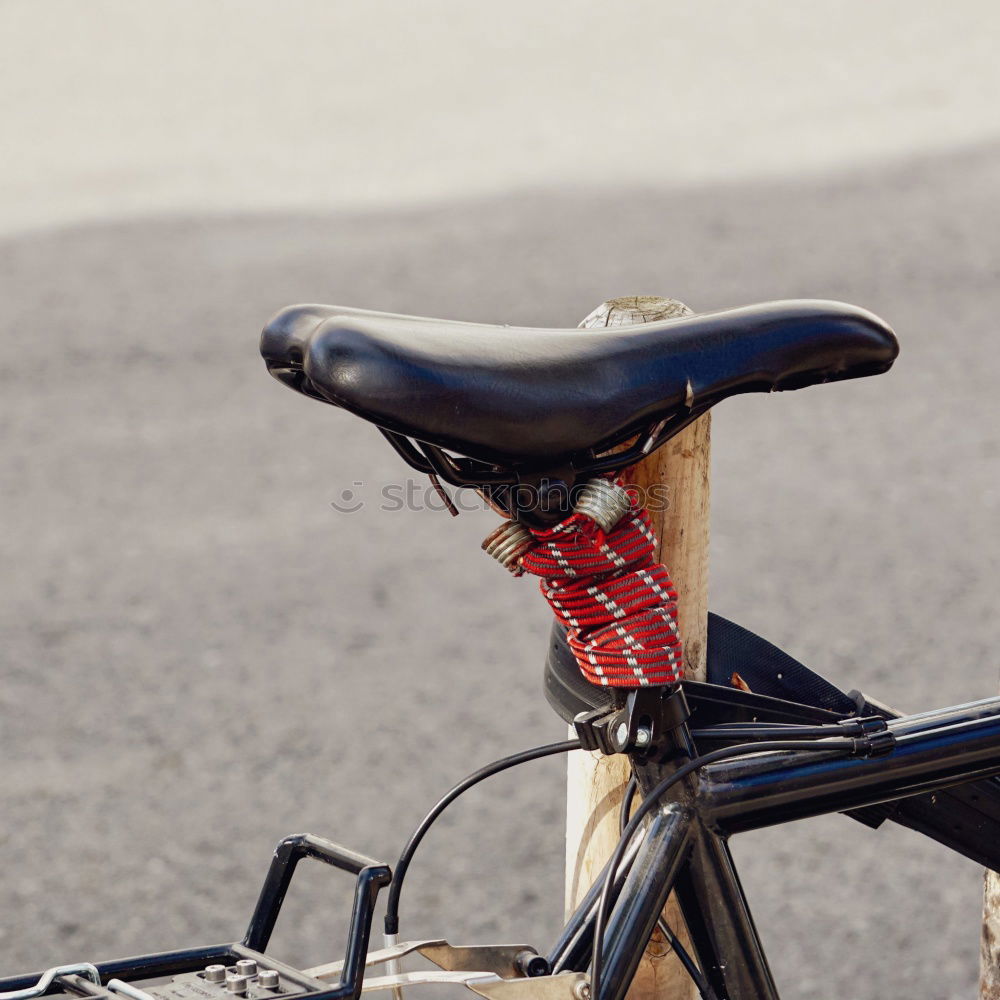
<point x="664" y="850"/>
<point x="718" y="919"/>
<point x="932" y="751"/>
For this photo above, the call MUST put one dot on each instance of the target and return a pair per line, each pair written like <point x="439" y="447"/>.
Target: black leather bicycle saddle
<point x="529" y="396"/>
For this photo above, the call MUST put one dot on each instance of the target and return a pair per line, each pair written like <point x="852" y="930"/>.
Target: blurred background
<point x="200" y="654"/>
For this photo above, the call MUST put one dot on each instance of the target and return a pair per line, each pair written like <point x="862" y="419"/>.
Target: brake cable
<point x="403" y="864"/>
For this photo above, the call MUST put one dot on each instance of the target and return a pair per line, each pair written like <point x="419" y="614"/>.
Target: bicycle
<point x="543" y="424"/>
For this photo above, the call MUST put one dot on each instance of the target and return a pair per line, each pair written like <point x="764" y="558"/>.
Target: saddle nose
<point x="284" y="344"/>
<point x="284" y="339"/>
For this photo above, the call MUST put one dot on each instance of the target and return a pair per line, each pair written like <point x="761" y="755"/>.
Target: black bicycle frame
<point x="685" y="844"/>
<point x="683" y="848"/>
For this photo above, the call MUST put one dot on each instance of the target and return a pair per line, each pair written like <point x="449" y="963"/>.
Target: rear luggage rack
<point x="242" y="969"/>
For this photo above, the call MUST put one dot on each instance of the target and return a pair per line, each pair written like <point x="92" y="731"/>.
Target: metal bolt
<point x="247" y="967"/>
<point x="642" y="736"/>
<point x="582" y="990"/>
<point x="215" y="973"/>
<point x="621" y="735"/>
<point x="237" y="984"/>
<point x="268" y="978"/>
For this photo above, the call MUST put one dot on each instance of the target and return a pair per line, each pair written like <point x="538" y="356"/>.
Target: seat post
<point x="675" y="482"/>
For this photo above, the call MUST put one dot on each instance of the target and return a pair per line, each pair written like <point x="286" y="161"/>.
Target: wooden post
<point x="989" y="944"/>
<point x="596" y="784"/>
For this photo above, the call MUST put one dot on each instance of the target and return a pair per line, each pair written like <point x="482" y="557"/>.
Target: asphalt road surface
<point x="200" y="654"/>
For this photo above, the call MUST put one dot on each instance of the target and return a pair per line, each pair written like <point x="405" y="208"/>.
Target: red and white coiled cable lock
<point x="600" y="577"/>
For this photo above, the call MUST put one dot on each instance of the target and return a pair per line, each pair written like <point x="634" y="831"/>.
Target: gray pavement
<point x="200" y="655"/>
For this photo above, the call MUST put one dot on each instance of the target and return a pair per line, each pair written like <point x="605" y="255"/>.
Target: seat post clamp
<point x="643" y="726"/>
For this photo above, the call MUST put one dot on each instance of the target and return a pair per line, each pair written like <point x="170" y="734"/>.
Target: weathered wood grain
<point x="596" y="784"/>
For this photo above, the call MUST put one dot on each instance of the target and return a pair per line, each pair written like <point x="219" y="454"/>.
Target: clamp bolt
<point x="621" y="735"/>
<point x="246" y="967"/>
<point x="237" y="984"/>
<point x="582" y="990"/>
<point x="642" y="736"/>
<point x="268" y="979"/>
